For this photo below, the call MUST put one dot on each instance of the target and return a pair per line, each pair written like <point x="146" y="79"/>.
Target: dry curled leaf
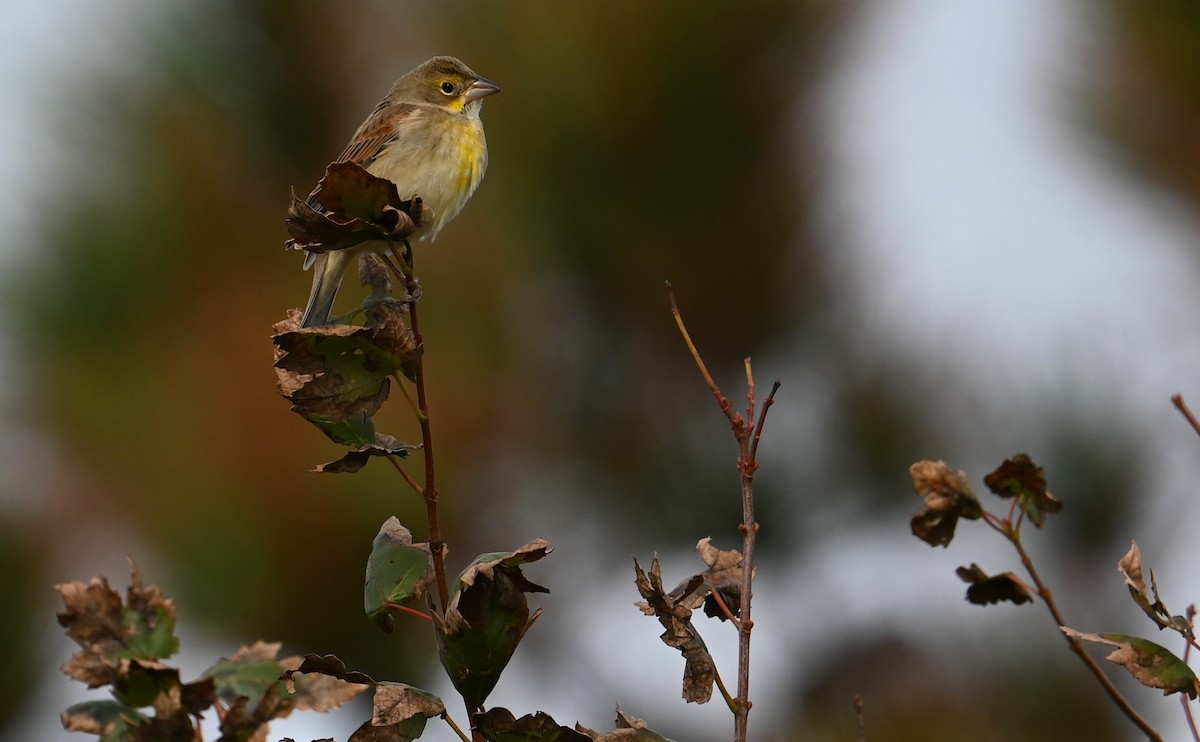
<point x="675" y="615"/>
<point x="350" y="206"/>
<point x="1150" y="664"/>
<point x="948" y="497"/>
<point x="987" y="589"/>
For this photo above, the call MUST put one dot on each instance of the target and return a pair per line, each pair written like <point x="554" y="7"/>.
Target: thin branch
<point x="725" y="610"/>
<point x="461" y="735"/>
<point x="1183" y="697"/>
<point x="393" y="606"/>
<point x="407" y="477"/>
<point x="722" y="400"/>
<point x="762" y="417"/>
<point x="749" y="389"/>
<point x="730" y="701"/>
<point x="1177" y="400"/>
<point x="1077" y="647"/>
<point x="437" y="547"/>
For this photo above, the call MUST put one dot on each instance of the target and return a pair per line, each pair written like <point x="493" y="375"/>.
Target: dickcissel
<point x="427" y="138"/>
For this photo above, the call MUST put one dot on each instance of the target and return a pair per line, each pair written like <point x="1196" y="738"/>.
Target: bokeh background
<point x="952" y="230"/>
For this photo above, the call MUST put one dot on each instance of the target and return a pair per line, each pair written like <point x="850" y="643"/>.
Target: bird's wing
<point x="381" y="128"/>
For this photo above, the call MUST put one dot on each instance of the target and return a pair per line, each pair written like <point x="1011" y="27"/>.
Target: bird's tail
<point x="328" y="270"/>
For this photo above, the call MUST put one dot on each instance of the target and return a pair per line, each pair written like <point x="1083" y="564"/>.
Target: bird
<point x="425" y="136"/>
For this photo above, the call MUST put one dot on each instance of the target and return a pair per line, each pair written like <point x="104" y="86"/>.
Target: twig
<point x="1077" y="646"/>
<point x="722" y="400"/>
<point x="407" y="477"/>
<point x="461" y="735"/>
<point x="730" y="701"/>
<point x="1183" y="697"/>
<point x="748" y="432"/>
<point x="393" y="606"/>
<point x="860" y="714"/>
<point x="725" y="609"/>
<point x="437" y="547"/>
<point x="1177" y="400"/>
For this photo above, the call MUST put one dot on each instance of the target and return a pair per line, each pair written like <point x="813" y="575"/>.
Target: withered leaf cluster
<point x="717" y="589"/>
<point x="1131" y="566"/>
<point x="499" y="725"/>
<point x="123" y="646"/>
<point x="338" y="376"/>
<point x="399" y="712"/>
<point x="948" y="497"/>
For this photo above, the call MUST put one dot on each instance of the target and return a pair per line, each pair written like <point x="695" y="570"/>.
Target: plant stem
<point x="1177" y="400"/>
<point x="1077" y="646"/>
<point x="748" y="432"/>
<point x="437" y="547"/>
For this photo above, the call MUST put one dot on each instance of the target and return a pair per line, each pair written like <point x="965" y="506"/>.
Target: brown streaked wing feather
<point x="380" y="129"/>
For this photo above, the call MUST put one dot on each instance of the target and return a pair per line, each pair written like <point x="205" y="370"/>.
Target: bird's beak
<point x="481" y="88"/>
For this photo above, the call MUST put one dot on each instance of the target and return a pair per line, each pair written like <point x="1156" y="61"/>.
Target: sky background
<point x="914" y="214"/>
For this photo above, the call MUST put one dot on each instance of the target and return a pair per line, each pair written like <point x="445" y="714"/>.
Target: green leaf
<point x="487" y="617"/>
<point x="114" y="722"/>
<point x="1150" y="664"/>
<point x="250" y="673"/>
<point x="398" y="571"/>
<point x="139" y="684"/>
<point x="338" y="376"/>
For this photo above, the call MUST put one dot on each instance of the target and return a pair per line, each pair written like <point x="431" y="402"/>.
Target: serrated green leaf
<point x="250" y="678"/>
<point x="398" y="571"/>
<point x="149" y="640"/>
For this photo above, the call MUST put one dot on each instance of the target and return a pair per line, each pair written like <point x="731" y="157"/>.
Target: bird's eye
<point x="448" y="88"/>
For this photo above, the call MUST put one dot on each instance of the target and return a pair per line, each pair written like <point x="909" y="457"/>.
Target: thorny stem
<point x="748" y="432"/>
<point x="1014" y="537"/>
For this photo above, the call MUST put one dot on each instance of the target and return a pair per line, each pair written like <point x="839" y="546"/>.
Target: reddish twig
<point x="748" y="432"/>
<point x="437" y="547"/>
<point x="1077" y="646"/>
<point x="1177" y="400"/>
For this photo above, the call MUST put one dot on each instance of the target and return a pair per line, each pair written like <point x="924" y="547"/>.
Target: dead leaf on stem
<point x="675" y="614"/>
<point x="1150" y="664"/>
